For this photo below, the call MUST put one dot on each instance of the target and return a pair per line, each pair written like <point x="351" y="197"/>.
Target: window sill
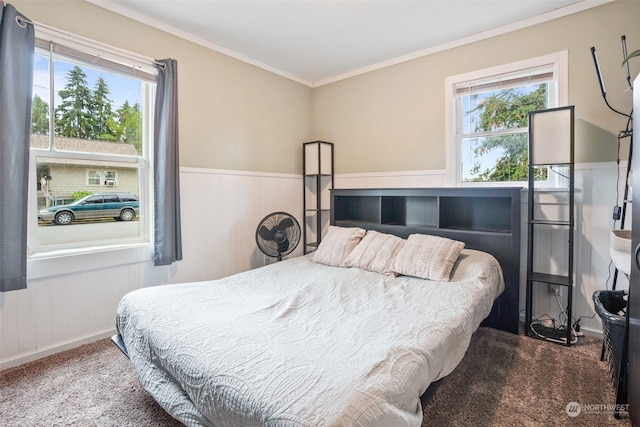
<point x="67" y="262"/>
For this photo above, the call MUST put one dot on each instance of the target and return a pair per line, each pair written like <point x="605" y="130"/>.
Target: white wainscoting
<point x="405" y="179"/>
<point x="220" y="212"/>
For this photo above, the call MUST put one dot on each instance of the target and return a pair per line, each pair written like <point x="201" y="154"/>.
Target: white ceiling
<point x="320" y="41"/>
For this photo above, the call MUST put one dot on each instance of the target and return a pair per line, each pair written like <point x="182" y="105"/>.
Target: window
<point x="91" y="129"/>
<point x="93" y="178"/>
<point x="487" y="114"/>
<point x="110" y="178"/>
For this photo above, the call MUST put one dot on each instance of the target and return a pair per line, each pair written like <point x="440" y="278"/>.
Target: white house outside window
<point x="487" y="110"/>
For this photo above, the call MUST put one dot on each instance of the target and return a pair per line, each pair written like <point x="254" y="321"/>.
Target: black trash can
<point x="611" y="308"/>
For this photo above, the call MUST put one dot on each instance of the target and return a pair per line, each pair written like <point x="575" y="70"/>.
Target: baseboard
<point x="588" y="332"/>
<point x="596" y="333"/>
<point x="30" y="357"/>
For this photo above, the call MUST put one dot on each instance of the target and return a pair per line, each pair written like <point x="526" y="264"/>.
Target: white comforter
<point x="302" y="344"/>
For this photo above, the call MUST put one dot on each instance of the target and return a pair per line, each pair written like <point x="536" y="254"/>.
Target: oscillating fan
<point x="278" y="234"/>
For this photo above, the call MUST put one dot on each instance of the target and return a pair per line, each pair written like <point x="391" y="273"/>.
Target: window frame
<point x="52" y="260"/>
<point x="106" y="179"/>
<point x="557" y="94"/>
<point x="93" y="175"/>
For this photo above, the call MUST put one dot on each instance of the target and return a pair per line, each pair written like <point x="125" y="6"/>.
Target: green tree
<point x="39" y="117"/>
<point x="130" y="124"/>
<point x="88" y="114"/>
<point x="73" y="116"/>
<point x="506" y="109"/>
<point x="102" y="116"/>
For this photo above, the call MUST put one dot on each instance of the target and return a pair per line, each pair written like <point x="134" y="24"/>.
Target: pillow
<point x="375" y="252"/>
<point x="337" y="244"/>
<point x="427" y="257"/>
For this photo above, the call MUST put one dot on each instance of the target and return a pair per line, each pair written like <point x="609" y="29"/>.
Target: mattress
<point x="298" y="343"/>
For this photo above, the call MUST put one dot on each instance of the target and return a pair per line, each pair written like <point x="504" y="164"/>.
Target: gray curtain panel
<point x="16" y="82"/>
<point x="167" y="231"/>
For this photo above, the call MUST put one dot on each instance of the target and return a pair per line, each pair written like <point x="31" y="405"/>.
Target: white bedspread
<point x="302" y="344"/>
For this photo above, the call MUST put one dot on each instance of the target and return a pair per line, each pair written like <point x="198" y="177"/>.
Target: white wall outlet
<point x="555" y="290"/>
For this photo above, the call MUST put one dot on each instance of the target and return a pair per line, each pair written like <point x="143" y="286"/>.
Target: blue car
<point x="119" y="206"/>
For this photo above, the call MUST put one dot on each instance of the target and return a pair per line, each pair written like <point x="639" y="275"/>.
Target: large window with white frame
<point x="91" y="127"/>
<point x="487" y="113"/>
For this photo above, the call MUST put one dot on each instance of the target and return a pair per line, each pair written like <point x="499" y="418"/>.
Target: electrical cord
<point x="558" y="173"/>
<point x="557" y="328"/>
<point x="563" y="312"/>
<point x="606" y="283"/>
<point x="560" y="328"/>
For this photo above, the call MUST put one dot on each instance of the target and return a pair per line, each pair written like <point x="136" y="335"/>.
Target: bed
<point x="350" y="335"/>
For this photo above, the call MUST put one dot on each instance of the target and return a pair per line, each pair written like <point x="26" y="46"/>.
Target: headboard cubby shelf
<point x="486" y="219"/>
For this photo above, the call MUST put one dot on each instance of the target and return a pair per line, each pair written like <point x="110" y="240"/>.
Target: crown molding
<point x="555" y="14"/>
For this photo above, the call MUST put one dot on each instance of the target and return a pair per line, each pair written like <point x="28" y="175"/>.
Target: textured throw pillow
<point x="427" y="257"/>
<point x="337" y="244"/>
<point x="375" y="252"/>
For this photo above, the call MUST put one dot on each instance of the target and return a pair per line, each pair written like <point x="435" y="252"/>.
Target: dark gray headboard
<point x="486" y="219"/>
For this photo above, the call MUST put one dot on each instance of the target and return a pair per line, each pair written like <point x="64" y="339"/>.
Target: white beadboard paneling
<point x="227" y="207"/>
<point x="78" y="313"/>
<point x="594" y="262"/>
<point x="26" y="330"/>
<point x="406" y="179"/>
<point x="75" y="304"/>
<point x="8" y="322"/>
<point x="46" y="326"/>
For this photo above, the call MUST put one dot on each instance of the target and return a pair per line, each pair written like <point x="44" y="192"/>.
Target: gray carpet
<point x="504" y="379"/>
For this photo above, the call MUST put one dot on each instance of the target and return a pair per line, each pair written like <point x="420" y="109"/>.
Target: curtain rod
<point x="22" y="23"/>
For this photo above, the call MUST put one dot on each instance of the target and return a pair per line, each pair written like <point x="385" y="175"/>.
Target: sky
<point x="121" y="88"/>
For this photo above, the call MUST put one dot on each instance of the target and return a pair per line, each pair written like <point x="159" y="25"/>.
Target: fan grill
<point x="278" y="234"/>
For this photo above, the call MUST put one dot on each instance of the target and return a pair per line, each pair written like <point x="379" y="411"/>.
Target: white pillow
<point x="337" y="244"/>
<point x="427" y="257"/>
<point x="375" y="252"/>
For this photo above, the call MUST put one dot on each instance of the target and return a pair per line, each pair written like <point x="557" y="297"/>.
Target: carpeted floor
<point x="512" y="380"/>
<point x="504" y="380"/>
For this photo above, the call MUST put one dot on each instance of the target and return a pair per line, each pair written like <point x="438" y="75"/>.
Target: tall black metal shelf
<point x="317" y="176"/>
<point x="551" y="145"/>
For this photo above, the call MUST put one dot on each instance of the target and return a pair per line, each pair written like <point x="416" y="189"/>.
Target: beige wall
<point x="232" y="115"/>
<point x="236" y="116"/>
<point x="393" y="119"/>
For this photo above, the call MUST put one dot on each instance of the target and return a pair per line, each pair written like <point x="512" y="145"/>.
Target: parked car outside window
<point x="119" y="206"/>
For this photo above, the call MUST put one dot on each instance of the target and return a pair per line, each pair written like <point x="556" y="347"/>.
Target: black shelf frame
<point x="537" y="278"/>
<point x="486" y="219"/>
<point x="313" y="183"/>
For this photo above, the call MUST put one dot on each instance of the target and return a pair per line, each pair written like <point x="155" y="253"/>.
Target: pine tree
<point x="39" y="117"/>
<point x="73" y="116"/>
<point x="101" y="113"/>
<point x="87" y="114"/>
